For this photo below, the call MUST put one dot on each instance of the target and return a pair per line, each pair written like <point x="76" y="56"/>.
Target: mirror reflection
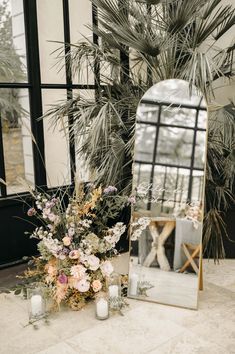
<point x="168" y="188"/>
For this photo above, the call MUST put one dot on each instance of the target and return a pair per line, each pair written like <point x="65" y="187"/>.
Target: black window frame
<point x="35" y="87"/>
<point x="158" y="124"/>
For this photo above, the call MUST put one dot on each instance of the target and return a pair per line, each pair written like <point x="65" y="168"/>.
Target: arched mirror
<point x="168" y="189"/>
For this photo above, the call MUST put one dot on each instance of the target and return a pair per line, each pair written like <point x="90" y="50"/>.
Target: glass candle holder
<point x="114" y="285"/>
<point x="134" y="279"/>
<point x="114" y="291"/>
<point x="36" y="302"/>
<point x="102" y="306"/>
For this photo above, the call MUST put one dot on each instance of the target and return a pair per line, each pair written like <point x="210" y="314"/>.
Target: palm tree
<point x="142" y="42"/>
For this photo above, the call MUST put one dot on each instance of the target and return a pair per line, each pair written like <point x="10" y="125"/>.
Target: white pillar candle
<point x="36" y="305"/>
<point x="102" y="308"/>
<point x="113" y="291"/>
<point x="133" y="284"/>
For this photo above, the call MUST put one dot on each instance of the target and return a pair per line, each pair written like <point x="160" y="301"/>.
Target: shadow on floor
<point x="8" y="276"/>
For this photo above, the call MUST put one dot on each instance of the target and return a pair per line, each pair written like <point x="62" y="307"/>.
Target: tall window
<point x="31" y="80"/>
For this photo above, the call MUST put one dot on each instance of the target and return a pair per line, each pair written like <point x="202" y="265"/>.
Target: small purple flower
<point x="49" y="205"/>
<point x="63" y="279"/>
<point x="110" y="189"/>
<point x="65" y="251"/>
<point x="54" y="200"/>
<point x="132" y="199"/>
<point x="31" y="212"/>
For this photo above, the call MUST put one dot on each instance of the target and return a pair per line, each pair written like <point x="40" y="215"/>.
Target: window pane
<point x="178" y="116"/>
<point x="81" y="16"/>
<point x="199" y="157"/>
<point x="202" y="119"/>
<point x="56" y="143"/>
<point x="17" y="139"/>
<point x="141" y="181"/>
<point x="141" y="174"/>
<point x="144" y="142"/>
<point x="12" y="42"/>
<point x="51" y="28"/>
<point x="174" y="146"/>
<point x="197" y="186"/>
<point x="170" y="186"/>
<point x="82" y="169"/>
<point x="147" y="113"/>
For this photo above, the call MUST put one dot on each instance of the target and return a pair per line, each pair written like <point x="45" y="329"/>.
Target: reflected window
<point x="170" y="138"/>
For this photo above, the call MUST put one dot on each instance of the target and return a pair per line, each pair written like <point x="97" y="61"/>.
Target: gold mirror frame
<point x="169" y="95"/>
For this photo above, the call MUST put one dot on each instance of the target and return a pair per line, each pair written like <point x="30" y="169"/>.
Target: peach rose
<point x="66" y="241"/>
<point x="96" y="285"/>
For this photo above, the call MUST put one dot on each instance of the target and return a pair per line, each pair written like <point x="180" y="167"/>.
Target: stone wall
<point x="13" y="155"/>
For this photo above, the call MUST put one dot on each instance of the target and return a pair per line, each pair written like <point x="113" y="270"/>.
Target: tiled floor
<point x="146" y="328"/>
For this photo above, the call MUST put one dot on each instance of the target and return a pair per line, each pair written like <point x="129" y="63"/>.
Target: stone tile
<point x="189" y="343"/>
<point x="26" y="340"/>
<point x="139" y="329"/>
<point x="76" y="321"/>
<point x="60" y="348"/>
<point x="218" y="330"/>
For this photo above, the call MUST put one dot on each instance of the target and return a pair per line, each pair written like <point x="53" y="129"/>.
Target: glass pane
<point x="82" y="169"/>
<point x="197" y="186"/>
<point x="12" y="42"/>
<point x="174" y="146"/>
<point x="56" y="143"/>
<point x="199" y="157"/>
<point x="178" y="116"/>
<point x="17" y="139"/>
<point x="141" y="174"/>
<point x="144" y="142"/>
<point x="147" y="113"/>
<point x="202" y="119"/>
<point x="81" y="16"/>
<point x="51" y="28"/>
<point x="175" y="91"/>
<point x="170" y="187"/>
<point x="141" y="179"/>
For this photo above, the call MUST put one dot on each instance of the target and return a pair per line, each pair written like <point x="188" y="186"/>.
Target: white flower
<point x="78" y="271"/>
<point x="136" y="234"/>
<point x="144" y="221"/>
<point x="71" y="232"/>
<point x="83" y="285"/>
<point x="85" y="223"/>
<point x="53" y="245"/>
<point x="93" y="262"/>
<point x="106" y="268"/>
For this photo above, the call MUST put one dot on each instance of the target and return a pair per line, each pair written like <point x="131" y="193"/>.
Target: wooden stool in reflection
<point x="159" y="239"/>
<point x="193" y="252"/>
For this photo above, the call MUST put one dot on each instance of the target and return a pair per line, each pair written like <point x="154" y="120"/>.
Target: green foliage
<point x="170" y="39"/>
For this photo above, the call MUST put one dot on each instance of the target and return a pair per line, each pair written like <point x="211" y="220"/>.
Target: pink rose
<point x="31" y="212"/>
<point x="66" y="241"/>
<point x="83" y="285"/>
<point x="106" y="268"/>
<point x="96" y="285"/>
<point x="63" y="279"/>
<point x="74" y="254"/>
<point x="93" y="262"/>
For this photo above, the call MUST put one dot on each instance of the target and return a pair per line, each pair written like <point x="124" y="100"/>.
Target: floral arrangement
<point x="76" y="242"/>
<point x="138" y="226"/>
